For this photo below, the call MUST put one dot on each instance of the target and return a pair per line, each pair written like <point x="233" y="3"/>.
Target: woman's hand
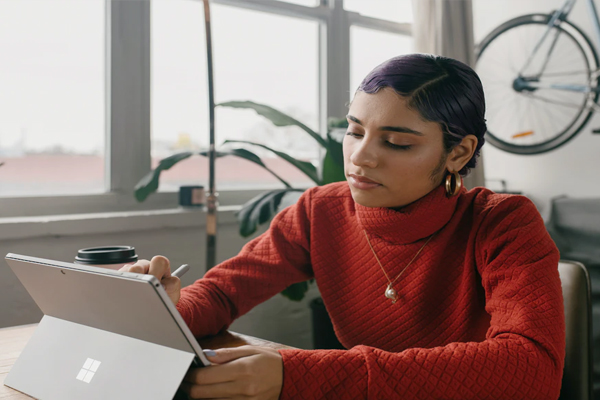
<point x="246" y="372"/>
<point x="159" y="267"/>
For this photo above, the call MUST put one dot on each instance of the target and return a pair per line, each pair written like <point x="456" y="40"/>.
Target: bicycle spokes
<point x="538" y="83"/>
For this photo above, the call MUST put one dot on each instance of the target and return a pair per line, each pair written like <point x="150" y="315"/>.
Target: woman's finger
<point x="140" y="267"/>
<point x="213" y="374"/>
<point x="159" y="267"/>
<point x="233" y="353"/>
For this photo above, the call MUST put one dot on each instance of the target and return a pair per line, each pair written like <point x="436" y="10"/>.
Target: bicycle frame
<point x="557" y="17"/>
<point x="595" y="18"/>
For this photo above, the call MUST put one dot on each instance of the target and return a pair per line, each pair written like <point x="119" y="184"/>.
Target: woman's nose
<point x="364" y="154"/>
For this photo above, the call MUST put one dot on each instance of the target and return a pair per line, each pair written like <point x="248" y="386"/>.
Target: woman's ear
<point x="461" y="153"/>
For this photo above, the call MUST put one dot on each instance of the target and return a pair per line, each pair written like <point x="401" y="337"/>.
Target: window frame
<point x="127" y="82"/>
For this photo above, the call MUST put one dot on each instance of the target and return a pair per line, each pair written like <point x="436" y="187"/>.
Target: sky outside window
<point x="52" y="97"/>
<point x="258" y="57"/>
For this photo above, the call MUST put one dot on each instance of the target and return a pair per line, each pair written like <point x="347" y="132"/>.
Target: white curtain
<point x="445" y="27"/>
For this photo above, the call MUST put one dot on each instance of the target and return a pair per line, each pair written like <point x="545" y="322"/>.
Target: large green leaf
<point x="276" y="117"/>
<point x="149" y="183"/>
<point x="260" y="209"/>
<point x="336" y="149"/>
<point x="247" y="155"/>
<point x="332" y="171"/>
<point x="243" y="215"/>
<point x="333" y="162"/>
<point x="304" y="166"/>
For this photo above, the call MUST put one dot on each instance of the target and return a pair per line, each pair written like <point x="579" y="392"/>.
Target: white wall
<point x="279" y="319"/>
<point x="574" y="168"/>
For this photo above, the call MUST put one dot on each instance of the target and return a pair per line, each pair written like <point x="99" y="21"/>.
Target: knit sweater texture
<point x="479" y="314"/>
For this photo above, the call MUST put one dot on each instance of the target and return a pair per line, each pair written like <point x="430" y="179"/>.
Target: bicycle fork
<point x="556" y="18"/>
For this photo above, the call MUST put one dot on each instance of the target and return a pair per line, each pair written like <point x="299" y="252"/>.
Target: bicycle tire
<point x="589" y="55"/>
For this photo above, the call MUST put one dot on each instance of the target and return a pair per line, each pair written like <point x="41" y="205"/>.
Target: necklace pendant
<point x="391" y="294"/>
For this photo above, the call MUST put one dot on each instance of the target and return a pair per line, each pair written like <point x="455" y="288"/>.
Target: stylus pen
<point x="181" y="270"/>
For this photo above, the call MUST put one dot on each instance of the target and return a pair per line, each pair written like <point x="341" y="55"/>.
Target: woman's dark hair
<point x="441" y="89"/>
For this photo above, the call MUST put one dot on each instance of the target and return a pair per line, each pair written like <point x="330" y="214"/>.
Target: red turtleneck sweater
<point x="479" y="315"/>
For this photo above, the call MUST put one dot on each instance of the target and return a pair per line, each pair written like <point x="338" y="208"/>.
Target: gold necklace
<point x="390" y="292"/>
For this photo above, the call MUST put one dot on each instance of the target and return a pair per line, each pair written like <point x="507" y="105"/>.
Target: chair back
<point x="577" y="373"/>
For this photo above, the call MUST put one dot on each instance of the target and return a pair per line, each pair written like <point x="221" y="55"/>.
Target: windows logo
<point x="89" y="369"/>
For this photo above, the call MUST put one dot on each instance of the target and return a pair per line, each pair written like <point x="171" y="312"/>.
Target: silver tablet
<point x="104" y="334"/>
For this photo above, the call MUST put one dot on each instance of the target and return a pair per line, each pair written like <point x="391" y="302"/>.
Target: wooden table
<point x="14" y="339"/>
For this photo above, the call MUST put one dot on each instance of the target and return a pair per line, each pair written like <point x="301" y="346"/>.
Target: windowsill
<point x="42" y="206"/>
<point x="15" y="228"/>
<point x="26" y="218"/>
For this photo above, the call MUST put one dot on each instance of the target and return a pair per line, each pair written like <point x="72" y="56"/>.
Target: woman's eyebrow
<point x="401" y="129"/>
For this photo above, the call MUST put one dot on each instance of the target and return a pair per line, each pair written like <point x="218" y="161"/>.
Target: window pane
<point x="393" y="10"/>
<point x="369" y="48"/>
<point x="258" y="57"/>
<point x="52" y="97"/>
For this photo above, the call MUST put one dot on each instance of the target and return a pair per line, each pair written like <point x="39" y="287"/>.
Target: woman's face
<point x="392" y="156"/>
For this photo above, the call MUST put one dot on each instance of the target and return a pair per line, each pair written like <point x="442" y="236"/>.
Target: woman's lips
<point x="360" y="182"/>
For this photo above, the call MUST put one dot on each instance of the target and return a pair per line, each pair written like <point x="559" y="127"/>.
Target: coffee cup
<point x="111" y="257"/>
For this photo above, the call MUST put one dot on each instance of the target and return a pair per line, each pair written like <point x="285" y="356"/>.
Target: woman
<point x="436" y="292"/>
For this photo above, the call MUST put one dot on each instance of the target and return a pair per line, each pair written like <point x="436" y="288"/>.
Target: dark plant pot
<point x="323" y="333"/>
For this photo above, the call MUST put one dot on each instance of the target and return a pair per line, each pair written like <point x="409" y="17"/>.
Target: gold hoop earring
<point x="457" y="184"/>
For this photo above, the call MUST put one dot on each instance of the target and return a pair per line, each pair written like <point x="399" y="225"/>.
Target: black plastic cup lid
<point x="106" y="255"/>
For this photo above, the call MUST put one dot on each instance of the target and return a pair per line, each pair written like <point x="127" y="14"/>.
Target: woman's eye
<point x="355" y="135"/>
<point x="398" y="146"/>
<point x="386" y="143"/>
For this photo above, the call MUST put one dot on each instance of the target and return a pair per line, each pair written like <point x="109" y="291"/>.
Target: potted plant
<point x="263" y="207"/>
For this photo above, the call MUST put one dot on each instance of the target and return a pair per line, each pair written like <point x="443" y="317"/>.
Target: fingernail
<point x="209" y="353"/>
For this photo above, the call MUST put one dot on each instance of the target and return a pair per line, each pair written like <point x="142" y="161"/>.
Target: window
<point x="179" y="88"/>
<point x="369" y="48"/>
<point x="52" y="97"/>
<point x="274" y="62"/>
<point x="393" y="10"/>
<point x="280" y="53"/>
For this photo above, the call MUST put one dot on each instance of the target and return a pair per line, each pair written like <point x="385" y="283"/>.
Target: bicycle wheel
<point x="524" y="114"/>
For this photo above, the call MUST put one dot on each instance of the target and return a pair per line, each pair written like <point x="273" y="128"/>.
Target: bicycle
<point x="540" y="75"/>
